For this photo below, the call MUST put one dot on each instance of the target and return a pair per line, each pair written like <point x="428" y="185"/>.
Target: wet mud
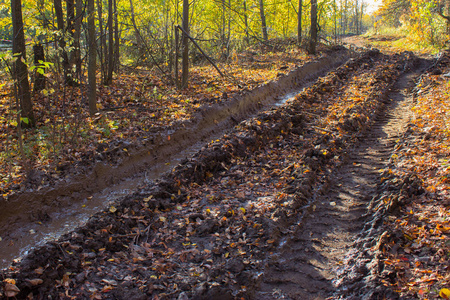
<point x="32" y="217"/>
<point x="269" y="210"/>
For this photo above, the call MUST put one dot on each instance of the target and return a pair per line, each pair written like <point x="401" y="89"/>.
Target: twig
<point x="329" y="131"/>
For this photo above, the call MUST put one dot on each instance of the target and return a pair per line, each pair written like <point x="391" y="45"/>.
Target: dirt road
<point x="310" y="263"/>
<point x="268" y="211"/>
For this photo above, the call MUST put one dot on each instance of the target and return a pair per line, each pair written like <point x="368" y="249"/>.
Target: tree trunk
<point x="61" y="42"/>
<point x="102" y="49"/>
<point x="92" y="65"/>
<point x="229" y="28"/>
<point x="313" y="33"/>
<point x="447" y="12"/>
<point x="177" y="54"/>
<point x="136" y="32"/>
<point x="185" y="42"/>
<point x="110" y="54"/>
<point x="299" y="21"/>
<point x="39" y="79"/>
<point x="263" y="20"/>
<point x="335" y="21"/>
<point x="223" y="31"/>
<point x="70" y="6"/>
<point x="361" y="15"/>
<point x="116" y="39"/>
<point x="76" y="54"/>
<point x="247" y="36"/>
<point x="345" y="17"/>
<point x="356" y="17"/>
<point x="59" y="15"/>
<point x="20" y="71"/>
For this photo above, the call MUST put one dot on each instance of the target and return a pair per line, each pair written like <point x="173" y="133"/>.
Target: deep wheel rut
<point x="307" y="265"/>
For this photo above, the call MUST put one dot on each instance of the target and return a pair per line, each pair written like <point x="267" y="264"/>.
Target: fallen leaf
<point x="9" y="280"/>
<point x="35" y="281"/>
<point x="11" y="290"/>
<point x="444" y="293"/>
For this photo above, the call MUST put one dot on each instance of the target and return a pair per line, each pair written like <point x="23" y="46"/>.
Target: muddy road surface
<point x="33" y="217"/>
<point x="315" y="256"/>
<point x="269" y="210"/>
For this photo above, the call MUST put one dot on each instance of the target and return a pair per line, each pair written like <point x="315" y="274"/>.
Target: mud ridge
<point x="211" y="121"/>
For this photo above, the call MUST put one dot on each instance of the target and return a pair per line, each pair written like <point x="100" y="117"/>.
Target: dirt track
<point x="312" y="260"/>
<point x="269" y="211"/>
<point x="50" y="211"/>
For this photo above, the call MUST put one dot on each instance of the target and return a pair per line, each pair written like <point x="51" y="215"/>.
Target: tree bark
<point x="136" y="32"/>
<point x="247" y="36"/>
<point x="76" y="54"/>
<point x="185" y="43"/>
<point x="110" y="51"/>
<point x="70" y="6"/>
<point x="299" y="21"/>
<point x="356" y="17"/>
<point x="335" y="21"/>
<point x="345" y="17"/>
<point x="177" y="54"/>
<point x="61" y="42"/>
<point x="223" y="30"/>
<point x="92" y="65"/>
<point x="102" y="49"/>
<point x="20" y="71"/>
<point x="313" y="33"/>
<point x="39" y="79"/>
<point x="263" y="20"/>
<point x="116" y="38"/>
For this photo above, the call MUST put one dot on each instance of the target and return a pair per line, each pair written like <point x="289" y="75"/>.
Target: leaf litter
<point x="204" y="230"/>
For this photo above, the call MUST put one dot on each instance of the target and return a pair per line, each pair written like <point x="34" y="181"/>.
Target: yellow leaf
<point x="242" y="209"/>
<point x="112" y="209"/>
<point x="9" y="280"/>
<point x="445" y="293"/>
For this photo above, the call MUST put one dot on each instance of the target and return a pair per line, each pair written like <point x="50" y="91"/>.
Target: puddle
<point x="288" y="97"/>
<point x="33" y="234"/>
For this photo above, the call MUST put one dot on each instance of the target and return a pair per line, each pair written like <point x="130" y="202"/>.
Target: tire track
<point x="307" y="264"/>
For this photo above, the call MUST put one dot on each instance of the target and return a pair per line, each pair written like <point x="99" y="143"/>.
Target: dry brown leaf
<point x="35" y="281"/>
<point x="11" y="290"/>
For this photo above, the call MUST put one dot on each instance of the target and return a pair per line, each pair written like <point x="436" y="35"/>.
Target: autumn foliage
<point x="416" y="191"/>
